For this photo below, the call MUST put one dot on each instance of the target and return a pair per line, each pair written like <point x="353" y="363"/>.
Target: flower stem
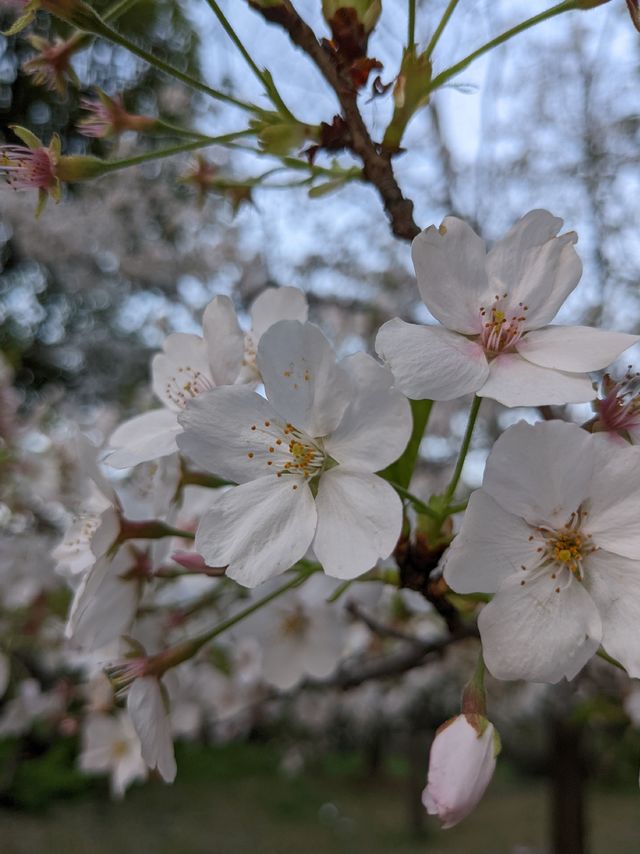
<point x="418" y="505"/>
<point x="464" y="449"/>
<point x="114" y="36"/>
<point x="435" y="38"/>
<point x="263" y="77"/>
<point x="159" y="154"/>
<point x="187" y="649"/>
<point x="411" y="25"/>
<point x="566" y="6"/>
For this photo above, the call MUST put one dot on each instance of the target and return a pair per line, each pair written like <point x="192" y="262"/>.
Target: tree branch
<point x="377" y="169"/>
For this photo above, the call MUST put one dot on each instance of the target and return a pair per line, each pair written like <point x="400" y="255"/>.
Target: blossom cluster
<point x="269" y="454"/>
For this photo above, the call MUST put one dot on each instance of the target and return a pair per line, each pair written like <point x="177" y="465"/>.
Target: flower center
<point x="619" y="409"/>
<point x="289" y="450"/>
<point x="501" y="326"/>
<point x="295" y="623"/>
<point x="186" y="384"/>
<point x="563" y="548"/>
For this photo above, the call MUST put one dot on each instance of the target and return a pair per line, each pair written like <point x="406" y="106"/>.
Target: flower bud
<point x="461" y="765"/>
<point x="367" y="11"/>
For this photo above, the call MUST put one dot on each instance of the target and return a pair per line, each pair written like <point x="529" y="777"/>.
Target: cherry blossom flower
<point x="554" y="532"/>
<point x="304" y="458"/>
<point x="495" y="309"/>
<point x="190" y="365"/>
<point x="618" y="410"/>
<point x="32" y="166"/>
<point x="108" y="117"/>
<point x="110" y="745"/>
<point x="148" y="707"/>
<point x="51" y="65"/>
<point x="461" y="765"/>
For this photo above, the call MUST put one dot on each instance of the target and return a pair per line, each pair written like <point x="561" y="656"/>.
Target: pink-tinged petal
<point x="145" y="437"/>
<point x="149" y="713"/>
<point x="431" y="363"/>
<point x="534" y="267"/>
<point x="450" y="268"/>
<point x="574" y="348"/>
<point x="613" y="518"/>
<point x="303" y="382"/>
<point x="541" y="472"/>
<point x="377" y="423"/>
<point x="181" y="373"/>
<point x="531" y="631"/>
<point x="491" y="545"/>
<point x="224" y="340"/>
<point x="258" y="529"/>
<point x="275" y="304"/>
<point x="228" y="431"/>
<point x="359" y="522"/>
<point x="513" y="381"/>
<point x="461" y="765"/>
<point x="614" y="585"/>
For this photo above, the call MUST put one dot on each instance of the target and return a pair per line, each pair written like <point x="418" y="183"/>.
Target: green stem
<point x="606" y="657"/>
<point x="566" y="6"/>
<point x="435" y="38"/>
<point x="418" y="505"/>
<point x="159" y="154"/>
<point x="457" y="508"/>
<point x="118" y="9"/>
<point x="264" y="78"/>
<point x="411" y="27"/>
<point x="464" y="448"/>
<point x="187" y="649"/>
<point x="114" y="36"/>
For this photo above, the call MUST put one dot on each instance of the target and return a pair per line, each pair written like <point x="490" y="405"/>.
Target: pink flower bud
<point x="461" y="764"/>
<point x="190" y="560"/>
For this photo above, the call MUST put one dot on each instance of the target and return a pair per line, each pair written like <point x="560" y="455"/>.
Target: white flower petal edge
<point x="531" y="631"/>
<point x="574" y="348"/>
<point x="258" y="529"/>
<point x="152" y="434"/>
<point x="274" y="304"/>
<point x="614" y="585"/>
<point x="149" y="714"/>
<point x="428" y="361"/>
<point x="513" y="381"/>
<point x="494" y="544"/>
<point x="224" y="340"/>
<point x="359" y="522"/>
<point x="303" y="382"/>
<point x="541" y="472"/>
<point x="376" y="425"/>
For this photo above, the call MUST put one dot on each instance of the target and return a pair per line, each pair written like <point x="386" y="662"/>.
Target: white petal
<point x="541" y="472"/>
<point x="275" y="304"/>
<point x="374" y="429"/>
<point x="218" y="436"/>
<point x="614" y="499"/>
<point x="182" y="371"/>
<point x="224" y="340"/>
<point x="574" y="348"/>
<point x="301" y="377"/>
<point x="535" y="267"/>
<point x="145" y="437"/>
<point x="513" y="381"/>
<point x="359" y="522"/>
<point x="258" y="529"/>
<point x="104" y="604"/>
<point x="150" y="717"/>
<point x="450" y="268"/>
<point x="366" y="371"/>
<point x="491" y="545"/>
<point x="530" y="631"/>
<point x="614" y="584"/>
<point x="429" y="362"/>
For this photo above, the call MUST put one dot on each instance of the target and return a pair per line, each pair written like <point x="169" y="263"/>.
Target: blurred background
<point x="89" y="291"/>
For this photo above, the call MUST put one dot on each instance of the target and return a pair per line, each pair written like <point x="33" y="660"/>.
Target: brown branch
<point x="376" y="162"/>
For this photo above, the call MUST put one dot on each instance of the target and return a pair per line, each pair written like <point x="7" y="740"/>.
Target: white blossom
<point x="304" y="458"/>
<point x="554" y="533"/>
<point x="147" y="705"/>
<point x="111" y="746"/>
<point x="495" y="309"/>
